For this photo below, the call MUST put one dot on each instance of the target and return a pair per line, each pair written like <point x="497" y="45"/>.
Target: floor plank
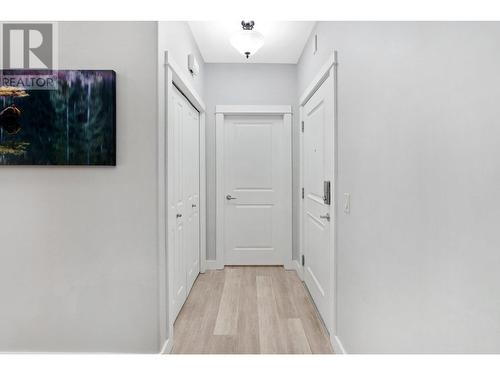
<point x="270" y="328"/>
<point x="205" y="330"/>
<point x="196" y="321"/>
<point x="296" y="338"/>
<point x="248" y="322"/>
<point x="242" y="310"/>
<point x="282" y="292"/>
<point x="190" y="315"/>
<point x="314" y="328"/>
<point x="227" y="317"/>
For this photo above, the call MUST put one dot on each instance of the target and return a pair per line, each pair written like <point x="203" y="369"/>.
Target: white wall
<point x="78" y="259"/>
<point x="418" y="257"/>
<point x="177" y="38"/>
<point x="244" y="84"/>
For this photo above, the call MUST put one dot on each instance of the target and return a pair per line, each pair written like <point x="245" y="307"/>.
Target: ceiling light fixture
<point x="247" y="41"/>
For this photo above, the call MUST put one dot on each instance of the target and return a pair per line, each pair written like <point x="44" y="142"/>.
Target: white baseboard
<point x="167" y="346"/>
<point x="338" y="348"/>
<point x="295" y="265"/>
<point x="212" y="265"/>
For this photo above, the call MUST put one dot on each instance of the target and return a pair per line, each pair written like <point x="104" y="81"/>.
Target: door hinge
<point x="302" y="126"/>
<point x="303" y="260"/>
<point x="302" y="193"/>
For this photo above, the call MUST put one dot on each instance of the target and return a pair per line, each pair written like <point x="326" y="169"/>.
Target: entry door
<point x="256" y="191"/>
<point x="186" y="198"/>
<point x="318" y="167"/>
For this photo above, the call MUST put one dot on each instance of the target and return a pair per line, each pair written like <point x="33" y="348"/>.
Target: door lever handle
<point x="178" y="215"/>
<point x="229" y="197"/>
<point x="327" y="217"/>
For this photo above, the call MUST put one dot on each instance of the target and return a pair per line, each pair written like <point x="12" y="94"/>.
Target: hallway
<point x="249" y="310"/>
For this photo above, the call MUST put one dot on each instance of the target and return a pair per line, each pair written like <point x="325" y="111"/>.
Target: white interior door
<point x="186" y="198"/>
<point x="256" y="191"/>
<point x="318" y="167"/>
<point x="192" y="194"/>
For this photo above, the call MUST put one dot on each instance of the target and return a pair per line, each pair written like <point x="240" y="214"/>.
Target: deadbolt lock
<point x="326" y="192"/>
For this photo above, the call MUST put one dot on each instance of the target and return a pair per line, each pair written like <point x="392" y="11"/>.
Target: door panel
<point x="257" y="165"/>
<point x="186" y="196"/>
<point x="318" y="148"/>
<point x="251" y="163"/>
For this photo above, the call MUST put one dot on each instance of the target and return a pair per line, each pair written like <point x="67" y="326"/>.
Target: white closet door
<point x="192" y="178"/>
<point x="179" y="277"/>
<point x="186" y="197"/>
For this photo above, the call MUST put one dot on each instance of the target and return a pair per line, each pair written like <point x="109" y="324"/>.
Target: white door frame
<point x="220" y="112"/>
<point x="166" y="214"/>
<point x="327" y="70"/>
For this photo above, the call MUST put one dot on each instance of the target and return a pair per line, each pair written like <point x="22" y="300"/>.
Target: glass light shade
<point x="247" y="41"/>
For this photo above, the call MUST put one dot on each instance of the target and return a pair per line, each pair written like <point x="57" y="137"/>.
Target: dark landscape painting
<point x="65" y="117"/>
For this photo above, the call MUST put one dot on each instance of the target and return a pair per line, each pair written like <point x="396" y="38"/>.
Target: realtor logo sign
<point x="28" y="45"/>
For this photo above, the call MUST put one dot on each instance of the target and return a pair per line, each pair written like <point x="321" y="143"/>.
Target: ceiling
<point x="283" y="41"/>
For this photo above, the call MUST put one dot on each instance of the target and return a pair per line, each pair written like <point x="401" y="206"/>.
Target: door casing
<point x="221" y="111"/>
<point x="166" y="213"/>
<point x="327" y="70"/>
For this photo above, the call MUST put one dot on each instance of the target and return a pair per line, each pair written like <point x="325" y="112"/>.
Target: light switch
<point x="347" y="203"/>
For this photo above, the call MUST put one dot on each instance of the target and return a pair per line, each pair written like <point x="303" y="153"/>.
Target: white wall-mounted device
<point x="193" y="66"/>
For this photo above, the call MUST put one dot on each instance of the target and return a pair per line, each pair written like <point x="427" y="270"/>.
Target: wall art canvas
<point x="64" y="117"/>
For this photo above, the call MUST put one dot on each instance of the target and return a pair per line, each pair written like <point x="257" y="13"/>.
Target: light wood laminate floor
<point x="244" y="310"/>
